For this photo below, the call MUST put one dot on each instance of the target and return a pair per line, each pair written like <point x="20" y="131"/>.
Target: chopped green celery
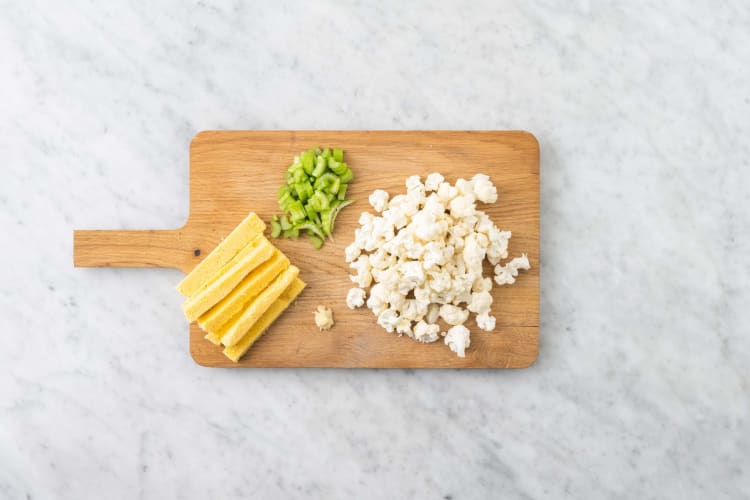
<point x="328" y="182"/>
<point x="316" y="241"/>
<point x="285" y="200"/>
<point x="314" y="193"/>
<point x="311" y="229"/>
<point x="333" y="164"/>
<point x="308" y="158"/>
<point x="320" y="168"/>
<point x="347" y="176"/>
<point x="319" y="201"/>
<point x="333" y="214"/>
<point x="291" y="233"/>
<point x="304" y="190"/>
<point x="275" y="228"/>
<point x="296" y="212"/>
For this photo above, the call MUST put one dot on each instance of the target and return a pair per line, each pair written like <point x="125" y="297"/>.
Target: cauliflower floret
<point x="396" y="217"/>
<point x="362" y="265"/>
<point x="352" y="252"/>
<point x="482" y="285"/>
<point x="453" y="315"/>
<point x="411" y="248"/>
<point x="428" y="226"/>
<point x="379" y="200"/>
<point x="365" y="218"/>
<point x="390" y="278"/>
<point x="396" y="300"/>
<point x="466" y="188"/>
<point x="433" y="313"/>
<point x="486" y="322"/>
<point x="426" y="333"/>
<point x="388" y="320"/>
<point x="378" y="301"/>
<point x="355" y="298"/>
<point x="414" y="183"/>
<point x="439" y="280"/>
<point x="484" y="224"/>
<point x="480" y="302"/>
<point x="458" y="340"/>
<point x="436" y="253"/>
<point x="382" y="229"/>
<point x="412" y="275"/>
<point x="484" y="190"/>
<point x="475" y="248"/>
<point x="380" y="259"/>
<point x="324" y="318"/>
<point x="432" y="182"/>
<point x="446" y="192"/>
<point x="413" y="309"/>
<point x="498" y="247"/>
<point x="461" y="206"/>
<point x="403" y="326"/>
<point x="506" y="275"/>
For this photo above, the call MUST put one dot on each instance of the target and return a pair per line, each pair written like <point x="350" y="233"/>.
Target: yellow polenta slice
<point x="233" y="332"/>
<point x="243" y="234"/>
<point x="219" y="286"/>
<point x="239" y="349"/>
<point x="252" y="285"/>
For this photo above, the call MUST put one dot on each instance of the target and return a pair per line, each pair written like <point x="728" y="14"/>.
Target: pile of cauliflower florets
<point x="424" y="253"/>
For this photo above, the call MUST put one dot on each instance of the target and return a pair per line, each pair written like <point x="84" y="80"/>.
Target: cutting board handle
<point x="145" y="248"/>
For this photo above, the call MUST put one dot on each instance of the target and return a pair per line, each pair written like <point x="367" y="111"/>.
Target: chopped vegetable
<point x="314" y="194"/>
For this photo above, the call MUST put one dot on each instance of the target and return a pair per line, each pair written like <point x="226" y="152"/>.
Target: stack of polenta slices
<point x="240" y="288"/>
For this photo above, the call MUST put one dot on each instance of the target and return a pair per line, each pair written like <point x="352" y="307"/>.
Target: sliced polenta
<point x="238" y="350"/>
<point x="219" y="286"/>
<point x="248" y="288"/>
<point x="233" y="332"/>
<point x="243" y="234"/>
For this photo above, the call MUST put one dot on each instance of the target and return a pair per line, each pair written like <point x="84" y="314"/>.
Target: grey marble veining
<point x="641" y="389"/>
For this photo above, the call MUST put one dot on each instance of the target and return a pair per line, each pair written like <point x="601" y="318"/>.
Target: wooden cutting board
<point x="235" y="172"/>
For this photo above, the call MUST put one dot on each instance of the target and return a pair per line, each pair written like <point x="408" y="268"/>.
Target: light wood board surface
<point x="235" y="172"/>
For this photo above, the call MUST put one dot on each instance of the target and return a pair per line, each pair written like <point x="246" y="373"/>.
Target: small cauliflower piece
<point x="379" y="200"/>
<point x="388" y="319"/>
<point x="363" y="279"/>
<point x="484" y="190"/>
<point x="355" y="298"/>
<point x="433" y="313"/>
<point x="482" y="285"/>
<point x="352" y="251"/>
<point x="378" y="300"/>
<point x="506" y="275"/>
<point x="403" y="326"/>
<point x="324" y="318"/>
<point x="426" y="333"/>
<point x="461" y="206"/>
<point x="414" y="183"/>
<point x="453" y="315"/>
<point x="432" y="182"/>
<point x="485" y="322"/>
<point x="480" y="302"/>
<point x="458" y="339"/>
<point x="446" y="192"/>
<point x="498" y="247"/>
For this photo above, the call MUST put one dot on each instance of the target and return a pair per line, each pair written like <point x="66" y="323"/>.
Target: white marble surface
<point x="642" y="387"/>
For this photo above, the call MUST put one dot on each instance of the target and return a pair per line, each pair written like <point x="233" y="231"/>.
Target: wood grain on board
<point x="235" y="172"/>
